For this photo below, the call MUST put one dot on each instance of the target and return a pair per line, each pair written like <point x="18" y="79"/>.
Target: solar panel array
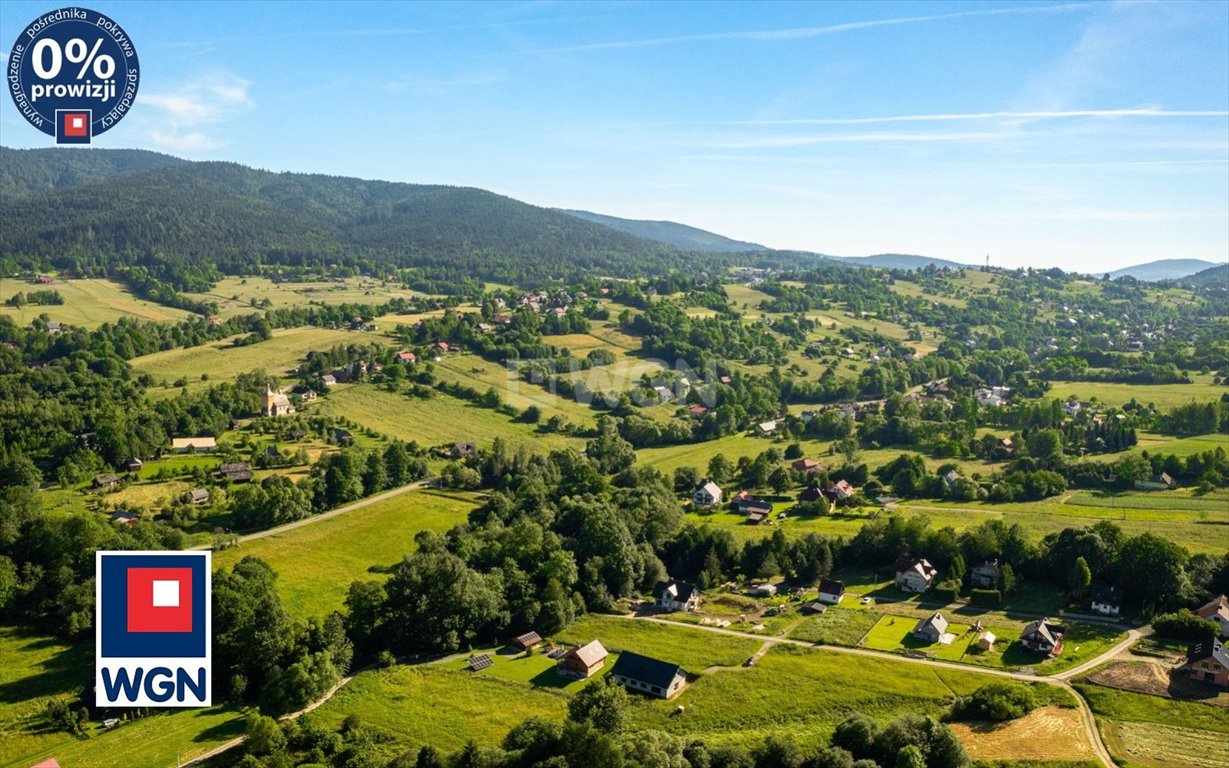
<point x="480" y="662"/>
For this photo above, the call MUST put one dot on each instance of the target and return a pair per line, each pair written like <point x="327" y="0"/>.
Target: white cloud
<point x="953" y="117"/>
<point x="204" y="101"/>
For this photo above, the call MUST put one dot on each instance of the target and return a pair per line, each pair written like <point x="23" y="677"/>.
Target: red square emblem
<point x="159" y="599"/>
<point x="75" y="124"/>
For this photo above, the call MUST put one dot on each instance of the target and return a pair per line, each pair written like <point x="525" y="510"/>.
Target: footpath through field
<point x="331" y="513"/>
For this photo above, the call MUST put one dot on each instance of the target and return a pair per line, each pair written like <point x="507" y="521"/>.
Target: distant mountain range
<point x="1213" y="277"/>
<point x="1165" y="269"/>
<point x="90" y="210"/>
<point x="670" y="233"/>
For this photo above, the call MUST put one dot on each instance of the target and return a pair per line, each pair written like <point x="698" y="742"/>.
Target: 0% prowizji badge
<point x="73" y="74"/>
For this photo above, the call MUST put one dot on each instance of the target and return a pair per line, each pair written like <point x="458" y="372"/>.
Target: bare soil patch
<point x="1156" y="679"/>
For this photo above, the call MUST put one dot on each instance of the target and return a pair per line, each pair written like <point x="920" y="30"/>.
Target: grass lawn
<point x="87" y="303"/>
<point x="537" y="669"/>
<point x="839" y="625"/>
<point x="223" y="362"/>
<point x="316" y="563"/>
<point x="692" y="649"/>
<point x="895" y="633"/>
<point x="438" y="420"/>
<point x="442" y="707"/>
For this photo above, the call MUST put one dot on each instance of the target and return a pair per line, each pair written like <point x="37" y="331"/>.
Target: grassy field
<point x="236" y="295"/>
<point x="837" y="626"/>
<point x="802" y="693"/>
<point x="316" y="563"/>
<point x="1163" y="733"/>
<point x="87" y="303"/>
<point x="536" y="669"/>
<point x="895" y="633"/>
<point x="1165" y="746"/>
<point x="223" y="362"/>
<point x="477" y="373"/>
<point x="694" y="650"/>
<point x="1046" y="734"/>
<point x="441" y="707"/>
<point x="1185" y="446"/>
<point x="1164" y="396"/>
<point x="36" y="669"/>
<point x="439" y="420"/>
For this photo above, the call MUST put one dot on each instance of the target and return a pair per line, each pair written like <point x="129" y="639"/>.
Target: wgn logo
<point x="153" y="629"/>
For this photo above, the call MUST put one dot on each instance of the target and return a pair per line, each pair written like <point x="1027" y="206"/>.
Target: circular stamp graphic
<point x="73" y="74"/>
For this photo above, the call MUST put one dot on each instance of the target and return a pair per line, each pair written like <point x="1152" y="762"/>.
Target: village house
<point x="1042" y="636"/>
<point x="463" y="450"/>
<point x="839" y="491"/>
<point x="583" y="661"/>
<point x="275" y="403"/>
<point x="831" y="591"/>
<point x="328" y="380"/>
<point x="763" y="590"/>
<point x="914" y="574"/>
<point x="675" y="595"/>
<point x="105" y="481"/>
<point x="199" y="495"/>
<point x="664" y="395"/>
<point x="1216" y="611"/>
<point x="526" y="642"/>
<point x="806" y="465"/>
<point x="236" y="472"/>
<point x="1208" y="662"/>
<point x="1007" y="446"/>
<point x="756" y="510"/>
<point x="707" y="494"/>
<point x="194" y="444"/>
<point x="931" y="630"/>
<point x="697" y="411"/>
<point x="343" y="436"/>
<point x="1106" y="601"/>
<point x="406" y="357"/>
<point x="1159" y="482"/>
<point x="766" y="428"/>
<point x="985" y="576"/>
<point x="134" y="464"/>
<point x="126" y="519"/>
<point x="650" y="676"/>
<point x="810" y="493"/>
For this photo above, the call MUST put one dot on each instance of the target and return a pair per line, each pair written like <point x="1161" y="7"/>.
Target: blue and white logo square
<point x="153" y="629"/>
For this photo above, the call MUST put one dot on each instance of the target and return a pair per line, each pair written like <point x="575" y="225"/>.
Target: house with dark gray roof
<point x="1043" y="636"/>
<point x="1104" y="600"/>
<point x="675" y="595"/>
<point x="648" y="676"/>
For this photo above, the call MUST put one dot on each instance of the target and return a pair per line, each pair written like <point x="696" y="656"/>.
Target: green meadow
<point x="315" y="563"/>
<point x="87" y="303"/>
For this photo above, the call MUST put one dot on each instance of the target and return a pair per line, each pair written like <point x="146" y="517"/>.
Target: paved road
<point x="1060" y="679"/>
<point x="331" y="513"/>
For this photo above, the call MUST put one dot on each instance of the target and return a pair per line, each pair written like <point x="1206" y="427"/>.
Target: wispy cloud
<point x="754" y="142"/>
<point x="801" y="33"/>
<point x="204" y="101"/>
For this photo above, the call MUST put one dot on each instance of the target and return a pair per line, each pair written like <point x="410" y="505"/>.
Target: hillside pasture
<point x="438" y="420"/>
<point x="1164" y="396"/>
<point x="222" y="361"/>
<point x="477" y="373"/>
<point x="315" y="563"/>
<point x="242" y="295"/>
<point x="88" y="303"/>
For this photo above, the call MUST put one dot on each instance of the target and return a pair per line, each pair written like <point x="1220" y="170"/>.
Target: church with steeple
<point x="275" y="403"/>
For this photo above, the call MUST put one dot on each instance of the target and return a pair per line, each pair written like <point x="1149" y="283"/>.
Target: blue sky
<point x="1081" y="135"/>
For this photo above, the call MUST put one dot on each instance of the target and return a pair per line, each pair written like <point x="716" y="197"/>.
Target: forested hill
<point x="27" y="172"/>
<point x="180" y="218"/>
<point x="671" y="233"/>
